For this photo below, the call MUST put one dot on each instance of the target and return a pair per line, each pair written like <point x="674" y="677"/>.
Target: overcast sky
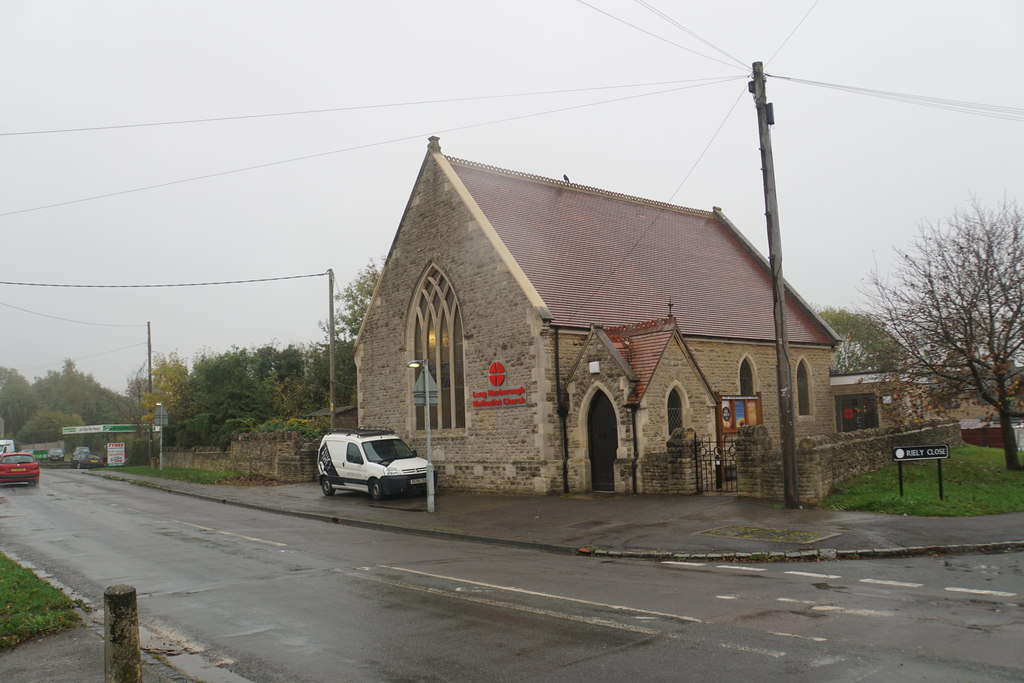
<point x="856" y="174"/>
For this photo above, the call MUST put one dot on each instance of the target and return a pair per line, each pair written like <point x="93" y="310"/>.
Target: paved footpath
<point x="651" y="527"/>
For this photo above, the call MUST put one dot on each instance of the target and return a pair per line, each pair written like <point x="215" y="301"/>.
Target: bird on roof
<point x="566" y="178"/>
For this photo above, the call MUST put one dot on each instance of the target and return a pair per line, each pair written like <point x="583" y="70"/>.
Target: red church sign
<point x="497" y="394"/>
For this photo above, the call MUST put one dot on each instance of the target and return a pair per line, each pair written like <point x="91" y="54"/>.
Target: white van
<point x="372" y="460"/>
<point x="7" y="446"/>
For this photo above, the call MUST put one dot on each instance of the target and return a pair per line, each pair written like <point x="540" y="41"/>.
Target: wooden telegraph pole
<point x="765" y="118"/>
<point x="330" y="342"/>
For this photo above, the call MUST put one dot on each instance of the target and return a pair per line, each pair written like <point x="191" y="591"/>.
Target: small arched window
<point x="803" y="389"/>
<point x="437" y="336"/>
<point x="675" y="412"/>
<point x="746" y="378"/>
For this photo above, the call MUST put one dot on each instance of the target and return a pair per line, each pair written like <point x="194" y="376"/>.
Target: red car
<point x="19" y="468"/>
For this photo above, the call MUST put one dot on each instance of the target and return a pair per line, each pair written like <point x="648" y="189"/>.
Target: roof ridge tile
<point x="587" y="188"/>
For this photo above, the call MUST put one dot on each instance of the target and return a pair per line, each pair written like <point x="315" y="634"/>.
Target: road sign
<point x="904" y="453"/>
<point x="98" y="429"/>
<point x="425" y="388"/>
<point x="160" y="417"/>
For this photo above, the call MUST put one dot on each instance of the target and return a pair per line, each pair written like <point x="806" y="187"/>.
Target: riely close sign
<point x="904" y="453"/>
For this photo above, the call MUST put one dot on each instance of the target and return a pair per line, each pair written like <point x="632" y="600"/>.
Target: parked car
<point x="19" y="468"/>
<point x="86" y="460"/>
<point x="56" y="455"/>
<point x="372" y="460"/>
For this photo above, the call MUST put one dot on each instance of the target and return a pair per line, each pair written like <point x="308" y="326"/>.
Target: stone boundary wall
<point x="671" y="471"/>
<point x="825" y="460"/>
<point x="285" y="456"/>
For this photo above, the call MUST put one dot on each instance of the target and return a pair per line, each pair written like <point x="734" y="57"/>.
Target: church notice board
<point x="738" y="411"/>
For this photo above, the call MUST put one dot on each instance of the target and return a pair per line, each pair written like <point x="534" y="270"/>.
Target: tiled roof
<point x="600" y="257"/>
<point x="642" y="345"/>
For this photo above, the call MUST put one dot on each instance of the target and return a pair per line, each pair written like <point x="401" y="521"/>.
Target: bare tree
<point x="956" y="307"/>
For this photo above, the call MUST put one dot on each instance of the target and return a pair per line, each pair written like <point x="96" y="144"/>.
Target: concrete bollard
<point x="122" y="662"/>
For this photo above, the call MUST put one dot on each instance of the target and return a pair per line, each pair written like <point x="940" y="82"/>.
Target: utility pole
<point x="787" y="431"/>
<point x="149" y="356"/>
<point x="330" y="343"/>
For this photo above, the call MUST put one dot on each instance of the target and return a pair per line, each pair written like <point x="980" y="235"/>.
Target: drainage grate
<point x="761" y="534"/>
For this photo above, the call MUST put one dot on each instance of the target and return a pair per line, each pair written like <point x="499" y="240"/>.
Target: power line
<point x="182" y="284"/>
<point x="975" y="108"/>
<point x="362" y="146"/>
<point x="654" y="35"/>
<point x="798" y="25"/>
<point x="449" y="100"/>
<point x="94" y="355"/>
<point x="675" y="23"/>
<point x="69" y="320"/>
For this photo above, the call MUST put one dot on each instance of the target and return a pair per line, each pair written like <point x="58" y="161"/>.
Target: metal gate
<point x="716" y="465"/>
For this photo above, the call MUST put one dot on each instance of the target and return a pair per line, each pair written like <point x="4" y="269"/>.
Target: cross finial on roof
<point x="670" y="307"/>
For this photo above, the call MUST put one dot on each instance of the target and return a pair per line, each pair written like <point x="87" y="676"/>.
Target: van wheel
<point x="325" y="486"/>
<point x="376" y="490"/>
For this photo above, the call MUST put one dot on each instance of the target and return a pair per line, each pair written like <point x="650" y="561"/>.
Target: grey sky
<point x="855" y="174"/>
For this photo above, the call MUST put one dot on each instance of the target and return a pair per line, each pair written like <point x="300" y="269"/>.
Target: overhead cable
<point x="675" y="23"/>
<point x="975" y="108"/>
<point x="448" y="100"/>
<point x="179" y="284"/>
<point x="69" y="320"/>
<point x="798" y="25"/>
<point x="655" y="35"/>
<point x="362" y="146"/>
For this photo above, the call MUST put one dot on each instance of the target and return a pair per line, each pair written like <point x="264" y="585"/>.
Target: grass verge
<point x="975" y="482"/>
<point x="29" y="606"/>
<point x="196" y="476"/>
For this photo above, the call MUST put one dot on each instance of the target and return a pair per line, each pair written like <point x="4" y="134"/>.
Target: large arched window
<point x="675" y="412"/>
<point x="437" y="336"/>
<point x="803" y="389"/>
<point x="746" y="378"/>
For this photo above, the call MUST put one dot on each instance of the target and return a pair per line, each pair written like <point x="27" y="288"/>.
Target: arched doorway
<point x="603" y="442"/>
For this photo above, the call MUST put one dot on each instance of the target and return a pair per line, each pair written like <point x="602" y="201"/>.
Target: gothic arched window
<point x="437" y="336"/>
<point x="746" y="378"/>
<point x="675" y="412"/>
<point x="803" y="389"/>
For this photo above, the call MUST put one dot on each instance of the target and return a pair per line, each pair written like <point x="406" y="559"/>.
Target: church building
<point x="573" y="332"/>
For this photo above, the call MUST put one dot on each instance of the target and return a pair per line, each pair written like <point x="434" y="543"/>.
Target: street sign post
<point x="901" y="454"/>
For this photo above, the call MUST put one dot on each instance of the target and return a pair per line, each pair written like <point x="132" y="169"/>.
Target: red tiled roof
<point x="611" y="259"/>
<point x="642" y="345"/>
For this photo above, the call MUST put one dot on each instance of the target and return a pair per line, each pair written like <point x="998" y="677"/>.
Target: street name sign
<point x="904" y="453"/>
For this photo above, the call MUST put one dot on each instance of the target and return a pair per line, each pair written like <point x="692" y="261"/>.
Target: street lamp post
<point x="428" y="395"/>
<point x="160" y="427"/>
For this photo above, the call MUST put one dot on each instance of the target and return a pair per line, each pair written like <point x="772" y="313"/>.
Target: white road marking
<point x="592" y="621"/>
<point x="727" y="597"/>
<point x="816" y="576"/>
<point x="816" y="639"/>
<point x="801" y="602"/>
<point x="513" y="589"/>
<point x="978" y="591"/>
<point x="855" y="612"/>
<point x="900" y="584"/>
<point x="754" y="650"/>
<point x="228" y="533"/>
<point x="684" y="564"/>
<point x="741" y="568"/>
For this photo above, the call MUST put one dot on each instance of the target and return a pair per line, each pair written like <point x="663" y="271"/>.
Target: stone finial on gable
<point x="434" y="144"/>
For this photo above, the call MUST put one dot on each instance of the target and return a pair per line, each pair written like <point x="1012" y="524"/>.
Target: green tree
<point x="17" y="400"/>
<point x="865" y="346"/>
<point x="75" y="393"/>
<point x="47" y="425"/>
<point x="956" y="307"/>
<point x="354" y="300"/>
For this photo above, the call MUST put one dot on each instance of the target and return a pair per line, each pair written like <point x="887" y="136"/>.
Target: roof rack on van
<point x="363" y="431"/>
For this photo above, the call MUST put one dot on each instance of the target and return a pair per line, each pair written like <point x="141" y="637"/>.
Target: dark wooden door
<point x="603" y="442"/>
